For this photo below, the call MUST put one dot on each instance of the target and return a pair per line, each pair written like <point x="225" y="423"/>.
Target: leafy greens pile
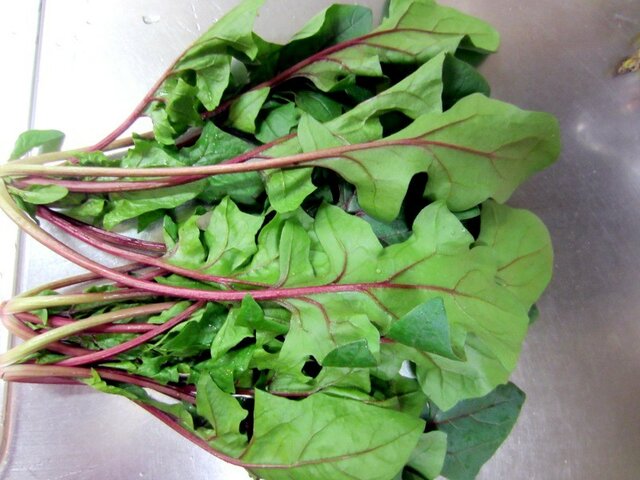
<point x="325" y="283"/>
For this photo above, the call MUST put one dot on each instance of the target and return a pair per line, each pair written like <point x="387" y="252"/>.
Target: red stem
<point x="77" y="232"/>
<point x="265" y="163"/>
<point x="116" y="238"/>
<point x="94" y="357"/>
<point x="294" y="69"/>
<point x="29" y="373"/>
<point x="275" y="81"/>
<point x="63" y="250"/>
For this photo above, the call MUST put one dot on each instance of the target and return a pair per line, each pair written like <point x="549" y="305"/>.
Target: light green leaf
<point x="189" y="251"/>
<point x="124" y="206"/>
<point x="229" y="335"/>
<point x="429" y="455"/>
<point x="40" y="194"/>
<point x="44" y="140"/>
<point x="163" y="131"/>
<point x="230" y="237"/>
<point x="88" y="210"/>
<point x="305" y="439"/>
<point x="180" y="107"/>
<point x="220" y="409"/>
<point x="233" y="31"/>
<point x="477" y="138"/>
<point x="435" y="262"/>
<point x="147" y="154"/>
<point x="212" y="81"/>
<point x="414" y="96"/>
<point x="313" y="135"/>
<point x="212" y="147"/>
<point x="250" y="314"/>
<point x="418" y="93"/>
<point x="523" y="249"/>
<point x="245" y="109"/>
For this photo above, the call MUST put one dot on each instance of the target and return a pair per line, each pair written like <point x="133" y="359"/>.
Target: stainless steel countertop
<point x="581" y="363"/>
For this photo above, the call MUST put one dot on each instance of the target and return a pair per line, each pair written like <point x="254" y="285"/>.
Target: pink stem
<point x="86" y="186"/>
<point x="137" y="111"/>
<point x="192" y="437"/>
<point x="58" y="321"/>
<point x="63" y="250"/>
<point x="25" y="333"/>
<point x="28" y="373"/>
<point x="94" y="357"/>
<point x="79" y="279"/>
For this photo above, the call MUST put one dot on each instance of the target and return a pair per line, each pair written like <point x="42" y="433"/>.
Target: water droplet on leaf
<point x="150" y="19"/>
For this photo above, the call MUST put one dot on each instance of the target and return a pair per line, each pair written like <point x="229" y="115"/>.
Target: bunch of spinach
<point x="326" y="281"/>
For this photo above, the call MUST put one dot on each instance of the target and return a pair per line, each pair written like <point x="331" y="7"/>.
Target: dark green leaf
<point x="147" y="219"/>
<point x="461" y="79"/>
<point x="426" y="328"/>
<point x="319" y="106"/>
<point x="476" y="428"/>
<point x="354" y="355"/>
<point x="415" y="32"/>
<point x="333" y="25"/>
<point x="278" y="123"/>
<point x="195" y="335"/>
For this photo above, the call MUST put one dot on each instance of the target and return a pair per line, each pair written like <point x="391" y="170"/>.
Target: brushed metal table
<point x="78" y="66"/>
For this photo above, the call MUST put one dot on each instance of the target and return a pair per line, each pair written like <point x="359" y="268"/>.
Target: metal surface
<point x="581" y="362"/>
